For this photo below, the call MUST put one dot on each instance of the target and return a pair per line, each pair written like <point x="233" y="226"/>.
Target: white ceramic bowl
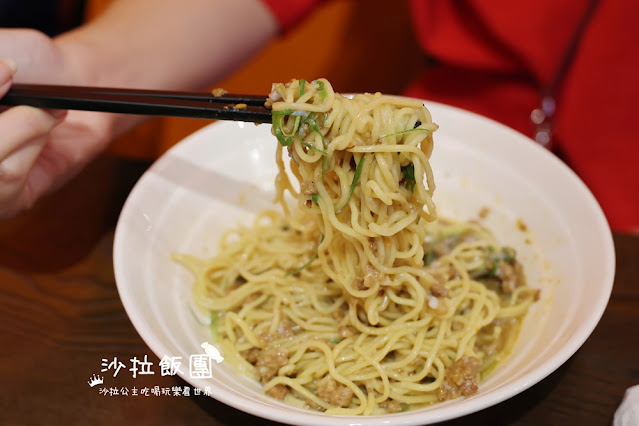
<point x="223" y="174"/>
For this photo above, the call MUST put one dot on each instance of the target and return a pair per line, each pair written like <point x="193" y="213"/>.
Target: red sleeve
<point x="289" y="12"/>
<point x="494" y="56"/>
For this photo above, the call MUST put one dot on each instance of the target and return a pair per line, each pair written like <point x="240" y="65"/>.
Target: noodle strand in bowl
<point x="362" y="301"/>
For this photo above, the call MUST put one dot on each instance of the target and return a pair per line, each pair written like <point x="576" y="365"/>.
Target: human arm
<point x="157" y="44"/>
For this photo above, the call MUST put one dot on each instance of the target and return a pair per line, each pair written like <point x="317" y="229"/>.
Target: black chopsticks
<point x="144" y="102"/>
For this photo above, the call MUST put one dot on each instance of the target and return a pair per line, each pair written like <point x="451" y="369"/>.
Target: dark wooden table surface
<point x="60" y="317"/>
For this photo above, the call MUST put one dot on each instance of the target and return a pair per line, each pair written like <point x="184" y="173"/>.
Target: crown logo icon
<point x="95" y="380"/>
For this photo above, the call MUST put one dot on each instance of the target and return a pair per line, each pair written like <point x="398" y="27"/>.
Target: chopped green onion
<point x="315" y="197"/>
<point x="311" y="120"/>
<point x="358" y="172"/>
<point x="510" y="254"/>
<point x="408" y="172"/>
<point x="278" y="120"/>
<point x="321" y="89"/>
<point x="429" y="258"/>
<point x="495" y="267"/>
<point x="279" y="134"/>
<point x="490" y="267"/>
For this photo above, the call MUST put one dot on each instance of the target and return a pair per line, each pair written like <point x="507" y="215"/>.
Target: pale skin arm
<point x="155" y="44"/>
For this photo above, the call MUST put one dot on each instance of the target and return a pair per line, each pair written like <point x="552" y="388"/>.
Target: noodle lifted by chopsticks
<point x="360" y="302"/>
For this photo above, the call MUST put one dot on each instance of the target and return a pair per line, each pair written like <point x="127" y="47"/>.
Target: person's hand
<point x="25" y="131"/>
<point x="39" y="149"/>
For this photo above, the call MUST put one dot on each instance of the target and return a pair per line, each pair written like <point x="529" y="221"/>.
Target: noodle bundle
<point x="358" y="300"/>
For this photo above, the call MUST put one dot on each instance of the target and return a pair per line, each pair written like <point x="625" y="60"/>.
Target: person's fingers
<point x="16" y="194"/>
<point x="8" y="68"/>
<point x="14" y="168"/>
<point x="22" y="139"/>
<point x="58" y="114"/>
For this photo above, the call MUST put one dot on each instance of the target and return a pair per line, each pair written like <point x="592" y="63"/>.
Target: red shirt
<point x="495" y="57"/>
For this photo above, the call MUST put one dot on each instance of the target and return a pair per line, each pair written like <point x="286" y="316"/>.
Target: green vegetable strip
<point x="488" y="369"/>
<point x="358" y="172"/>
<point x="213" y="326"/>
<point x="323" y="168"/>
<point x="286" y="111"/>
<point x="197" y="319"/>
<point x="404" y="131"/>
<point x="309" y="146"/>
<point x="296" y="127"/>
<point x="307" y="264"/>
<point x="408" y="172"/>
<point x="302" y="84"/>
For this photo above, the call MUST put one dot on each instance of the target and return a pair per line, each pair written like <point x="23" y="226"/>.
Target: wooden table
<point x="61" y="318"/>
